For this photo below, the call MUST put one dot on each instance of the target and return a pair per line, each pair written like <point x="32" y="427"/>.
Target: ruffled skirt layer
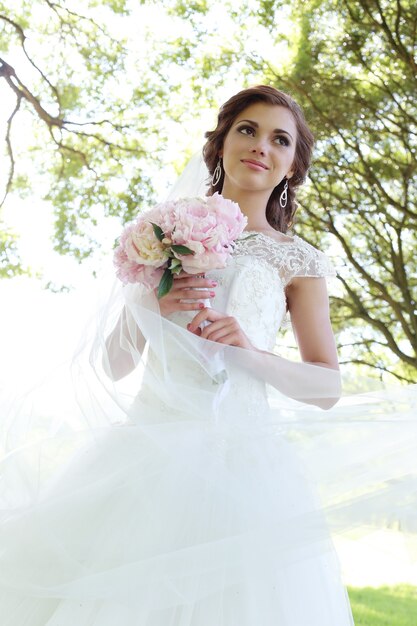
<point x="169" y="524"/>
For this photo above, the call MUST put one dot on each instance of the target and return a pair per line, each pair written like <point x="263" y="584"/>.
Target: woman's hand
<point x="220" y="328"/>
<point x="187" y="294"/>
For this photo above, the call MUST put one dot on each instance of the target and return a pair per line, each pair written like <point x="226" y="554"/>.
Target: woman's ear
<point x="290" y="174"/>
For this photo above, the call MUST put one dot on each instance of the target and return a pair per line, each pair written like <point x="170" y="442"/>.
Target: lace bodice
<point x="252" y="286"/>
<point x="290" y="258"/>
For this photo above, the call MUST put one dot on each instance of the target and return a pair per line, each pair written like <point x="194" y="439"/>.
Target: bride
<point x="195" y="508"/>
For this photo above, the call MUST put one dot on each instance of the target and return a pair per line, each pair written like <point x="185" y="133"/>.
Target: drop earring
<point x="217" y="174"/>
<point x="284" y="196"/>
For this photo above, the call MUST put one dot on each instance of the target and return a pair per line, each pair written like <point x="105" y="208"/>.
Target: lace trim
<point x="290" y="258"/>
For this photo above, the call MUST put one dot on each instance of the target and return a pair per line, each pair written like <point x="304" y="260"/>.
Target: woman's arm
<point x="308" y="304"/>
<point x="309" y="308"/>
<point x="126" y="340"/>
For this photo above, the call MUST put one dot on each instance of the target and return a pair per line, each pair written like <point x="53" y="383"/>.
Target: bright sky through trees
<point x="31" y="218"/>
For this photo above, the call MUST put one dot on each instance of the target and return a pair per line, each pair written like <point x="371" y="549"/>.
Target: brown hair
<point x="278" y="218"/>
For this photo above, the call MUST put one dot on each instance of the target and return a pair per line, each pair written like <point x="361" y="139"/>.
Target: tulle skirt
<point x="175" y="523"/>
<point x="206" y="504"/>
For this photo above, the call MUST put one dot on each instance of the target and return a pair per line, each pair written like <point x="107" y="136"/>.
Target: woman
<point x="195" y="510"/>
<point x="268" y="159"/>
<point x="262" y="148"/>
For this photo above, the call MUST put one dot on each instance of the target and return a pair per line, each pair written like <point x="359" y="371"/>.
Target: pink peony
<point x="204" y="262"/>
<point x="229" y="215"/>
<point x="208" y="227"/>
<point x="141" y="245"/>
<point x="131" y="272"/>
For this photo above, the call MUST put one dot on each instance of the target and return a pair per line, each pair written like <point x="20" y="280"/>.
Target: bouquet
<point x="192" y="235"/>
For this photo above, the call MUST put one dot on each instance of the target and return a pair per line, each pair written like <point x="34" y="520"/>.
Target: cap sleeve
<point x="308" y="261"/>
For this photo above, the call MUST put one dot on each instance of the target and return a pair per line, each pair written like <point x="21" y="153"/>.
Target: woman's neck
<point x="252" y="204"/>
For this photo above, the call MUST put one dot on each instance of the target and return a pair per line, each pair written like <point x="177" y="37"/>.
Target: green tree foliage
<point x="99" y="136"/>
<point x="65" y="72"/>
<point x="9" y="256"/>
<point x="355" y="74"/>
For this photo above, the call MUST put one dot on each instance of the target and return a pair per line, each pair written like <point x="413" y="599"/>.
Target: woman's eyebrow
<point x="277" y="130"/>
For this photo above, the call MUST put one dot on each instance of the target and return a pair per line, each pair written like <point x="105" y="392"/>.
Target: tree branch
<point x="8" y="73"/>
<point x="362" y="313"/>
<point x="23" y="38"/>
<point x="381" y="368"/>
<point x="10" y="150"/>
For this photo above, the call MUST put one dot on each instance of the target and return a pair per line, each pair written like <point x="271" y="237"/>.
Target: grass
<point x="384" y="606"/>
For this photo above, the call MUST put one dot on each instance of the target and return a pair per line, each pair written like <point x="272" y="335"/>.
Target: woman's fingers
<point x="229" y="333"/>
<point x="216" y="330"/>
<point x="188" y="306"/>
<point x="221" y="329"/>
<point x="194" y="294"/>
<point x="187" y="293"/>
<point x="184" y="280"/>
<point x="205" y="315"/>
<point x="193" y="288"/>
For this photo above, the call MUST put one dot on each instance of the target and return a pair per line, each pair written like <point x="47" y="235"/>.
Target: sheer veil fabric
<point x="199" y="484"/>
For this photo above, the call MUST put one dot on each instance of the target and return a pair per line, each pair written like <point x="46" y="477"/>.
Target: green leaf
<point x="175" y="266"/>
<point x="182" y="249"/>
<point x="166" y="283"/>
<point x="159" y="233"/>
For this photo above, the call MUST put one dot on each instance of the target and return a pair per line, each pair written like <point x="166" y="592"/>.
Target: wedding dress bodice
<point x="250" y="288"/>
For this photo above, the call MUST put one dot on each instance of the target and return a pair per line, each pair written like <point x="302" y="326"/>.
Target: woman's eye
<point x="281" y="139"/>
<point x="246" y="130"/>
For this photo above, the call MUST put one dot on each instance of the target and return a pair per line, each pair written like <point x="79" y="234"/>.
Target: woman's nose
<point x="259" y="147"/>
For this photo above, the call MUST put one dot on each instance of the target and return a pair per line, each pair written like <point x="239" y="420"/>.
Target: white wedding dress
<point x="196" y="510"/>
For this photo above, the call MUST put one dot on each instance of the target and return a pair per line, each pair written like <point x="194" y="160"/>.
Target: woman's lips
<point x="255" y="165"/>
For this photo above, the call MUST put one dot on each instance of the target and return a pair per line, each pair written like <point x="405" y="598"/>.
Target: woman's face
<point x="259" y="148"/>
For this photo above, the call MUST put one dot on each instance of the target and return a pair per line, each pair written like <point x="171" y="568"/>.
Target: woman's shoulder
<point x="293" y="255"/>
<point x="311" y="261"/>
